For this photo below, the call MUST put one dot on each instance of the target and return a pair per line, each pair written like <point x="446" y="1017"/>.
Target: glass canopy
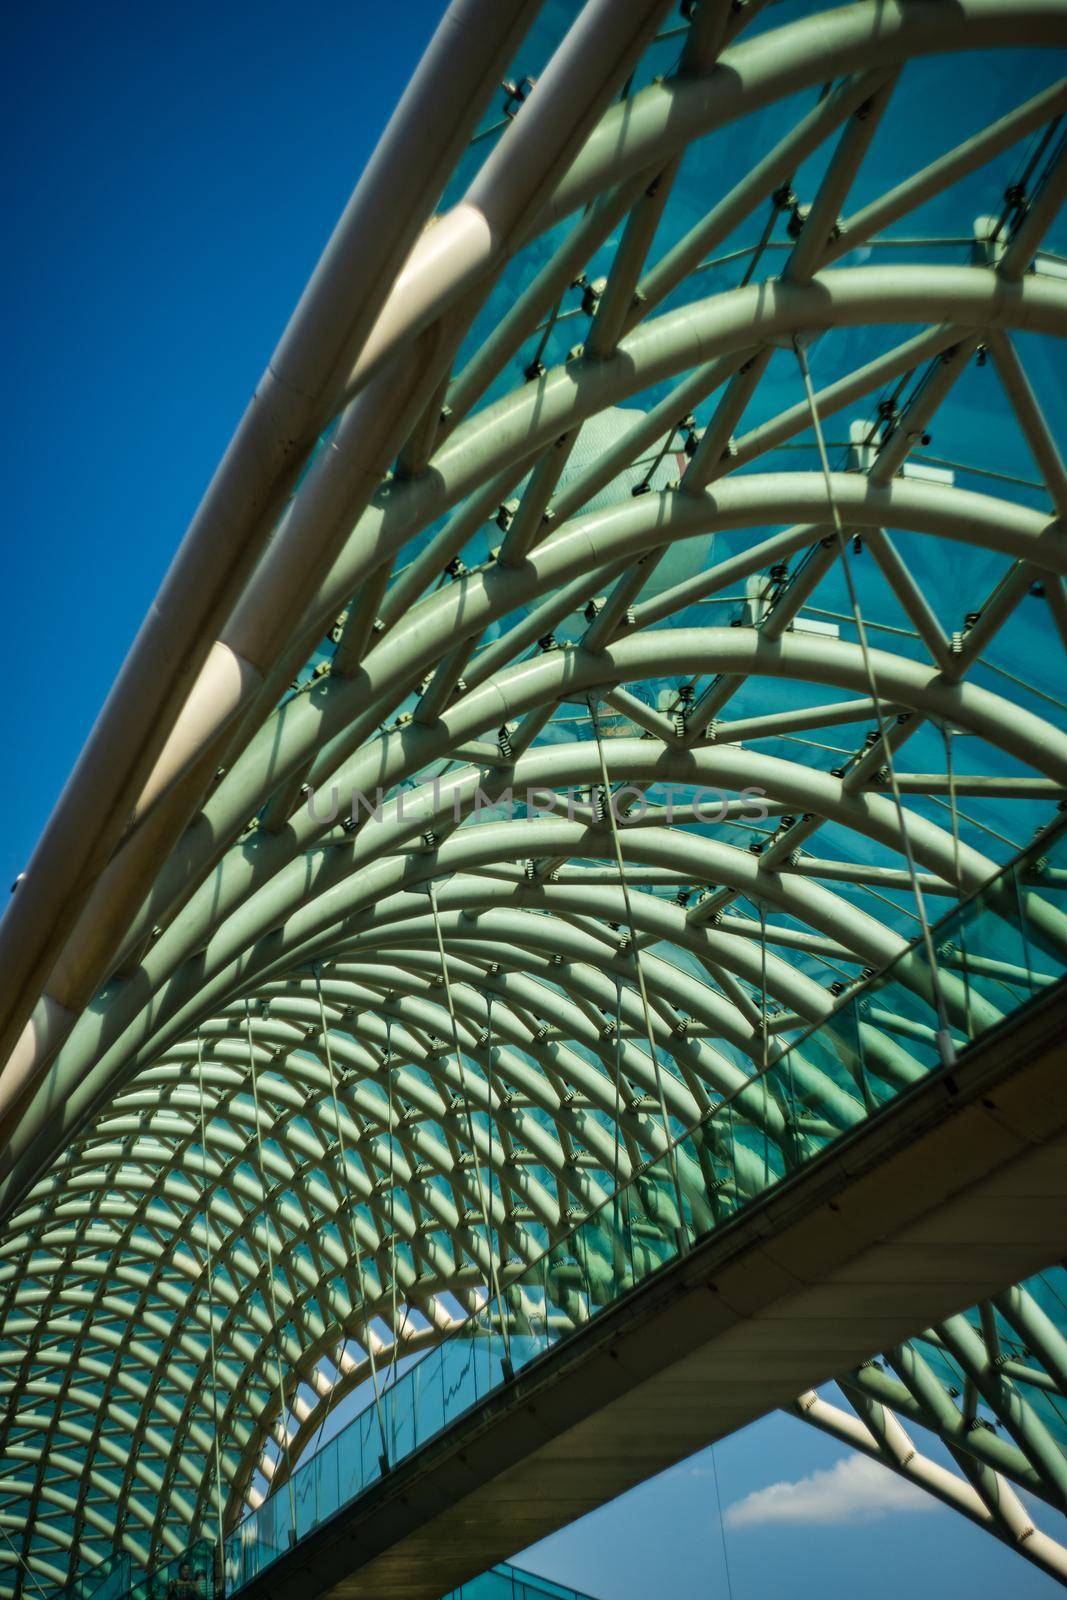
<point x="659" y="626"/>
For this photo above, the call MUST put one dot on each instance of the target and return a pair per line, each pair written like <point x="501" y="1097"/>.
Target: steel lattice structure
<point x="531" y="496"/>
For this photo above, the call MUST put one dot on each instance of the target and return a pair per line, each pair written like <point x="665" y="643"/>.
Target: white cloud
<point x="856" y="1488"/>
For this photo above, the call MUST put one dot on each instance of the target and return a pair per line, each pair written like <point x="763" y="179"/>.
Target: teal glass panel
<point x="512" y="1583"/>
<point x="109" y="1579"/>
<point x="188" y="1576"/>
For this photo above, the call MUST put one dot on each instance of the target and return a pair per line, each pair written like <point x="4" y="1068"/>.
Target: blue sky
<point x="173" y="173"/>
<point x="864" y="1534"/>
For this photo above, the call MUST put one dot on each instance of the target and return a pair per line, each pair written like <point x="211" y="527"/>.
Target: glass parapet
<point x="193" y="1575"/>
<point x="512" y="1583"/>
<point x="108" y="1580"/>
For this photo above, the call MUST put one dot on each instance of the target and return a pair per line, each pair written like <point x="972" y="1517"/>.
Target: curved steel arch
<point x="496" y="581"/>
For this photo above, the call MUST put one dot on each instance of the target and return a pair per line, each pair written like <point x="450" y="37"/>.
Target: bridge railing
<point x="110" y="1579"/>
<point x="191" y="1575"/>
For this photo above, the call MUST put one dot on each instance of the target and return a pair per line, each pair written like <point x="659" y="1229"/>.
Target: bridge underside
<point x="630" y="614"/>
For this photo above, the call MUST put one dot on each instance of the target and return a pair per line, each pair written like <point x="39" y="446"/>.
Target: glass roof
<point x="756" y="519"/>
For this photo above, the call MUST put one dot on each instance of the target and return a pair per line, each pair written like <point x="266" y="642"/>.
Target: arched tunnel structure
<point x="629" y="615"/>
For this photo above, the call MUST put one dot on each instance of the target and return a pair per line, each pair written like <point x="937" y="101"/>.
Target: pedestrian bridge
<point x="478" y="1022"/>
<point x="824" y="1213"/>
